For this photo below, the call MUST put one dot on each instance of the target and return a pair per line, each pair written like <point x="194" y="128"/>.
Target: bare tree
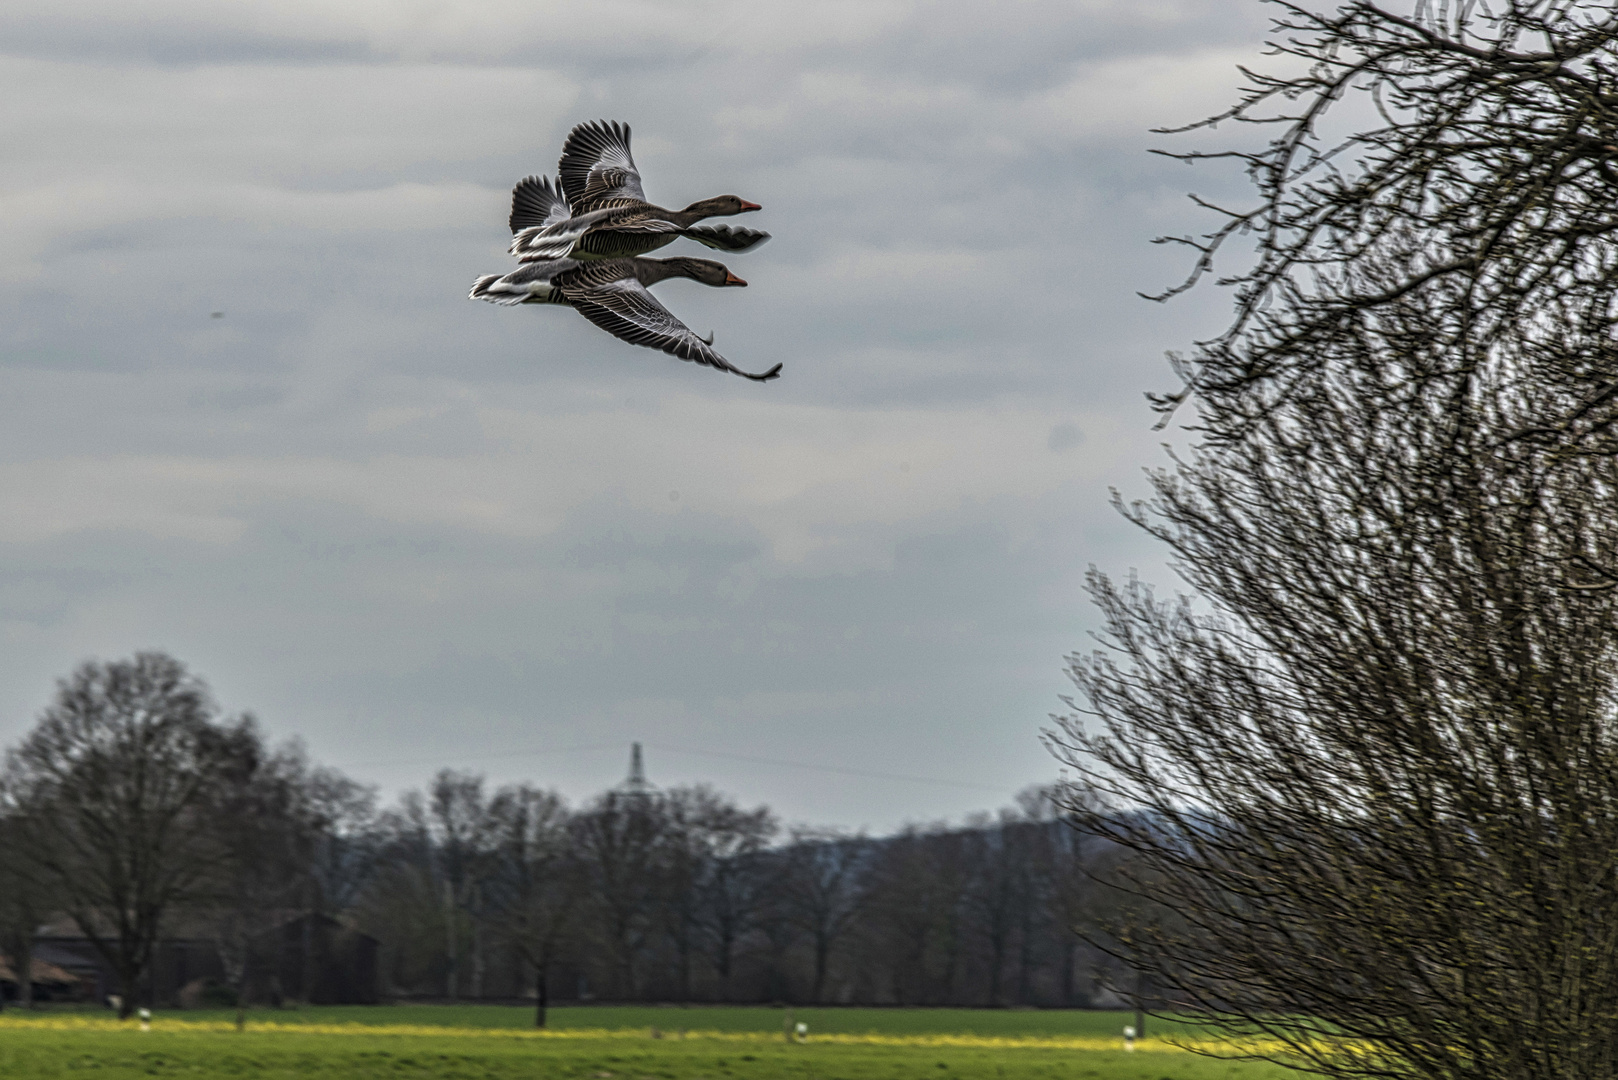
<point x="457" y="820"/>
<point x="345" y="842"/>
<point x="420" y="876"/>
<point x="1371" y="769"/>
<point x="265" y="837"/>
<point x="402" y="901"/>
<point x="538" y="885"/>
<point x="995" y="894"/>
<point x="620" y="837"/>
<point x="717" y="876"/>
<point x="276" y="815"/>
<point x="914" y="912"/>
<point x="1076" y="900"/>
<point x="819" y="891"/>
<point x="116" y="778"/>
<point x="1477" y="161"/>
<point x="1026" y="858"/>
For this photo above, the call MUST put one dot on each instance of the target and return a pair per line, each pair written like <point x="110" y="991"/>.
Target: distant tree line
<point x="133" y="803"/>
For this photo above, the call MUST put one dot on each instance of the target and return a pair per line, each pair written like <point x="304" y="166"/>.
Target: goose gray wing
<point x="726" y="237"/>
<point x="627" y="310"/>
<point x="596" y="166"/>
<point x="536" y="204"/>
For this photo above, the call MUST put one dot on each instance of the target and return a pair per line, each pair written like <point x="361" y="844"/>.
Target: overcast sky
<point x="416" y="530"/>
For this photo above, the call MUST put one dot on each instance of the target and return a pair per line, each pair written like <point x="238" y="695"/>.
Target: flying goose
<point x="613" y="294"/>
<point x="608" y="215"/>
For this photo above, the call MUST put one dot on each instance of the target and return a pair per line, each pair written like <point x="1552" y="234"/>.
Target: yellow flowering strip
<point x="992" y="1042"/>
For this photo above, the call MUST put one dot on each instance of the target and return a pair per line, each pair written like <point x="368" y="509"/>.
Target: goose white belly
<point x="541" y="292"/>
<point x="529" y="284"/>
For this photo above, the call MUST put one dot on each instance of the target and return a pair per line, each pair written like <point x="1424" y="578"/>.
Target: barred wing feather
<point x="596" y="166"/>
<point x="536" y="204"/>
<point x="628" y="311"/>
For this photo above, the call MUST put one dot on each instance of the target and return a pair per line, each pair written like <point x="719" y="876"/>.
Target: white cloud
<point x="577" y="30"/>
<point x="1132" y="94"/>
<point x="94" y="147"/>
<point x="32" y="220"/>
<point x="296" y="123"/>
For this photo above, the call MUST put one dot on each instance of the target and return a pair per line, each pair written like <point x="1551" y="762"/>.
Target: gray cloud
<point x="414" y="529"/>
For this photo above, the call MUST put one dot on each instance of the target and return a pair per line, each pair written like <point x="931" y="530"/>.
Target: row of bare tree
<point x="134" y="808"/>
<point x="682" y="895"/>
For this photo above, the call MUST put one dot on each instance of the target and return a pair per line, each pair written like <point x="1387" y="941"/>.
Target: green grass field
<point x="493" y="1043"/>
<point x="1057" y="1023"/>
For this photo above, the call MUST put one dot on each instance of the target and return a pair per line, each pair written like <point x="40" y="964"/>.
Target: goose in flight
<point x="607" y="215"/>
<point x="614" y="294"/>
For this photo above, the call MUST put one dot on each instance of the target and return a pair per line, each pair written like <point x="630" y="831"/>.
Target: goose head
<point x="706" y="271"/>
<point x="722" y="206"/>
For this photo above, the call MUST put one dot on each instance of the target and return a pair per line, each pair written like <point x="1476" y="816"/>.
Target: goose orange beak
<point x="750" y="206"/>
<point x="732" y="279"/>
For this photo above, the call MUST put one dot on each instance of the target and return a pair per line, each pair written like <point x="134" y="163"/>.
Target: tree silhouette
<point x="1369" y="765"/>
<point x="117" y="779"/>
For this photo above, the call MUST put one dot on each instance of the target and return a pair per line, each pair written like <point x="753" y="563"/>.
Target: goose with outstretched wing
<point x="621" y="304"/>
<point x="609" y="215"/>
<point x="615" y="295"/>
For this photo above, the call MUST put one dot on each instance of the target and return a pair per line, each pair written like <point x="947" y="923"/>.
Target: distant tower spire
<point x="637" y="770"/>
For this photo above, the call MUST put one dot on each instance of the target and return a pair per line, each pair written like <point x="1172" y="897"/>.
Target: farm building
<point x="309" y="958"/>
<point x="50" y="981"/>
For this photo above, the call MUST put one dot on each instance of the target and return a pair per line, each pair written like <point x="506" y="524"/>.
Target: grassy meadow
<point x="607" y="1043"/>
<point x="1007" y="1023"/>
